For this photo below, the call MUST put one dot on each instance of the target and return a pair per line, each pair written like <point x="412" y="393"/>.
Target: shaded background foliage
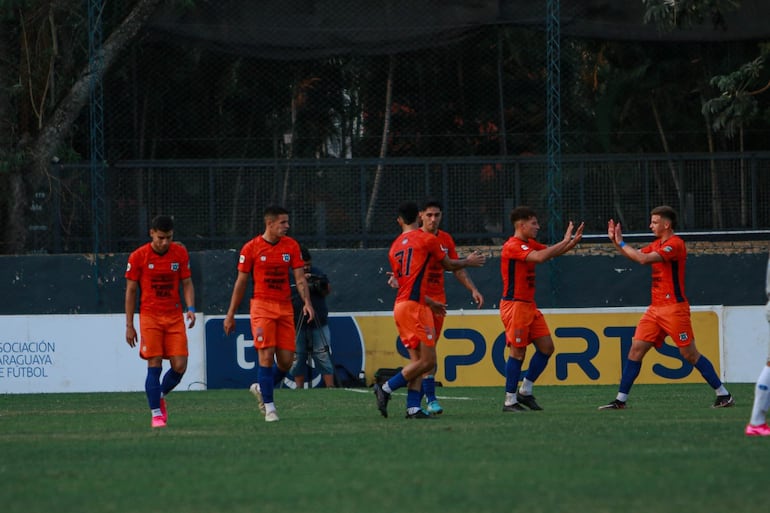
<point x="276" y="86"/>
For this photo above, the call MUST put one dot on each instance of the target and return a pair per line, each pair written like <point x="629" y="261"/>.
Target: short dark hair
<point x="665" y="212"/>
<point x="408" y="211"/>
<point x="162" y="224"/>
<point x="522" y="214"/>
<point x="305" y="253"/>
<point x="275" y="211"/>
<point x="431" y="203"/>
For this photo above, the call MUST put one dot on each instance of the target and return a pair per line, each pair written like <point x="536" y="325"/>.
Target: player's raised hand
<point x="579" y="232"/>
<point x="618" y="234"/>
<point x="573" y="238"/>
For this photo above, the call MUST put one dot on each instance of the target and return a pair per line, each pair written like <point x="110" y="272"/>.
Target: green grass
<point x="332" y="452"/>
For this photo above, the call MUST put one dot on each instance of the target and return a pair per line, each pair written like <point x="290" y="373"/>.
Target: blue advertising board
<point x="231" y="361"/>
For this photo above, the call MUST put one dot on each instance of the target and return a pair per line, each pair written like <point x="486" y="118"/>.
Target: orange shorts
<point x="414" y="322"/>
<point x="672" y="320"/>
<point x="523" y="323"/>
<point x="272" y="324"/>
<point x="162" y="335"/>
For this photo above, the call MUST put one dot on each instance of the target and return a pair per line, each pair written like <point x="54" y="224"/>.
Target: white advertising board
<point x="80" y="353"/>
<point x="88" y="353"/>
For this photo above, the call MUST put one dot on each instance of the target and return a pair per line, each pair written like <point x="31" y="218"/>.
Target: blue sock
<point x="278" y="375"/>
<point x="265" y="380"/>
<point x="537" y="365"/>
<point x="397" y="382"/>
<point x="412" y="398"/>
<point x="630" y="373"/>
<point x="707" y="371"/>
<point x="170" y="380"/>
<point x="429" y="388"/>
<point x="152" y="387"/>
<point x="512" y="374"/>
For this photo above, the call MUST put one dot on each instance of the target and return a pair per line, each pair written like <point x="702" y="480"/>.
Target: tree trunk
<point x="716" y="202"/>
<point x="742" y="170"/>
<point x="664" y="142"/>
<point x="57" y="127"/>
<point x="7" y="157"/>
<point x="383" y="145"/>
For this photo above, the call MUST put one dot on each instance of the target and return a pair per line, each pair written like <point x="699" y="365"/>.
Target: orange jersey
<point x="410" y="255"/>
<point x="435" y="285"/>
<point x="668" y="275"/>
<point x="159" y="277"/>
<point x="269" y="265"/>
<point x="518" y="274"/>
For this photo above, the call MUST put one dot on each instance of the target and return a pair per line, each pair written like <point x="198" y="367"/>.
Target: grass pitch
<point x="333" y="452"/>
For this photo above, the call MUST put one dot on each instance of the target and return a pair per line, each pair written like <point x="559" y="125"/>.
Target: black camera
<point x="317" y="284"/>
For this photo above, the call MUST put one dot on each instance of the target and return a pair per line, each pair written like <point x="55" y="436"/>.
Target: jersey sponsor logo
<point x="444" y="249"/>
<point x="524" y="247"/>
<point x="175" y="266"/>
<point x="262" y="258"/>
<point x="241" y="259"/>
<point x="404" y="241"/>
<point x="668" y="249"/>
<point x="151" y="266"/>
<point x="286" y="257"/>
<point x="128" y="267"/>
<point x="683" y="336"/>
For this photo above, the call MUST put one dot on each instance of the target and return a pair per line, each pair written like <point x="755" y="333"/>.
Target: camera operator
<point x="312" y="337"/>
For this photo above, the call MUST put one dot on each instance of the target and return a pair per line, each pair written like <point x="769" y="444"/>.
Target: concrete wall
<point x="66" y="284"/>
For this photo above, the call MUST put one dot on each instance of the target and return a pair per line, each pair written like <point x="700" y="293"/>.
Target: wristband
<point x="191" y="309"/>
<point x="622" y="243"/>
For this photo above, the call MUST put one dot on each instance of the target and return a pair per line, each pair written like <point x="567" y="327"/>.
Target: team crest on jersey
<point x="668" y="249"/>
<point x="175" y="266"/>
<point x="524" y="247"/>
<point x="241" y="259"/>
<point x="683" y="336"/>
<point x="262" y="258"/>
<point x="151" y="266"/>
<point x="286" y="257"/>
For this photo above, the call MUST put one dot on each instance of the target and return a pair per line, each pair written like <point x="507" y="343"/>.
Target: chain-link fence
<point x="342" y="109"/>
<point x="343" y="204"/>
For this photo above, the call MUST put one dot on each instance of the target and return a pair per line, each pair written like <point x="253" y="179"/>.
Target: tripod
<point x="310" y="335"/>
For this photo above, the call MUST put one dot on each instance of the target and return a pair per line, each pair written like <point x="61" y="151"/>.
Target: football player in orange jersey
<point x="268" y="259"/>
<point x="524" y="323"/>
<point x="669" y="310"/>
<point x="413" y="310"/>
<point x="156" y="269"/>
<point x="431" y="214"/>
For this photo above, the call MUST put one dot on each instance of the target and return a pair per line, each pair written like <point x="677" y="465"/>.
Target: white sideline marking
<point x="368" y="391"/>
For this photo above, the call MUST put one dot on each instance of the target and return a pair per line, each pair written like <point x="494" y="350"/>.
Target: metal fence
<point x="353" y="203"/>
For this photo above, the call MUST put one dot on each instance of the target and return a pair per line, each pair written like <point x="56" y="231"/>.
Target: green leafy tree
<point x="44" y="87"/>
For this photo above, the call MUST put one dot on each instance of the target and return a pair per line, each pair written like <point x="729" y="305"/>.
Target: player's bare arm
<point x="436" y="307"/>
<point x="189" y="299"/>
<point x="465" y="280"/>
<point x="627" y="251"/>
<point x="568" y="242"/>
<point x="239" y="289"/>
<point x="475" y="259"/>
<point x="130" y="305"/>
<point x="304" y="293"/>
